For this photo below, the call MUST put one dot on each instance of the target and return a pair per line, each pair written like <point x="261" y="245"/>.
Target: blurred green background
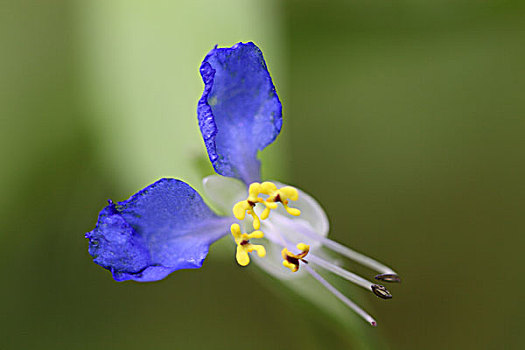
<point x="406" y="120"/>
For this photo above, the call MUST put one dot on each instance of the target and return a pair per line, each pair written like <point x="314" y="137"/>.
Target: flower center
<point x="284" y="232"/>
<point x="274" y="196"/>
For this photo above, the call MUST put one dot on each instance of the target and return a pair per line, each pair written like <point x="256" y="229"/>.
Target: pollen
<point x="244" y="246"/>
<point x="291" y="260"/>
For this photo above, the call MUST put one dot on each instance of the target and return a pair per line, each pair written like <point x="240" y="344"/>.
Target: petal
<point x="163" y="228"/>
<point x="224" y="192"/>
<point x="239" y="112"/>
<point x="311" y="211"/>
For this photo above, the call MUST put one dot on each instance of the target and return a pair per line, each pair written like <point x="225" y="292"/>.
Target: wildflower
<point x="167" y="226"/>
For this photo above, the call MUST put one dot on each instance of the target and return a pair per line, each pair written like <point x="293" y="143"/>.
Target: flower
<point x="167" y="226"/>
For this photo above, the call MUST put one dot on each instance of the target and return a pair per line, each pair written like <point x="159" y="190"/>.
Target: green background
<point x="406" y="120"/>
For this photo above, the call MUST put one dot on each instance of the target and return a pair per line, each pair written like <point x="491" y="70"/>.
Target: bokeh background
<point x="405" y="119"/>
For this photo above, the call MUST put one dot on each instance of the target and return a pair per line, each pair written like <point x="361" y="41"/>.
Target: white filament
<point x="341" y="296"/>
<point x="347" y="275"/>
<point x="344" y="250"/>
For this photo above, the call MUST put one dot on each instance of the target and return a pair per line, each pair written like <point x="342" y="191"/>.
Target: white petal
<point x="311" y="211"/>
<point x="273" y="231"/>
<point x="223" y="192"/>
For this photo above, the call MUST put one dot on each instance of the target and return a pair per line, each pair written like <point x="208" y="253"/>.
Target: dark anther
<point x="388" y="277"/>
<point x="277" y="198"/>
<point x="292" y="260"/>
<point x="381" y="291"/>
<point x="245" y="242"/>
<point x="251" y="203"/>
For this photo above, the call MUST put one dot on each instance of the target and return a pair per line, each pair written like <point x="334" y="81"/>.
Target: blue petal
<point x="239" y="111"/>
<point x="163" y="228"/>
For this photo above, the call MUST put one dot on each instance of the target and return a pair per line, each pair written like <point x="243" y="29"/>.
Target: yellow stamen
<point x="291" y="260"/>
<point x="266" y="211"/>
<point x="275" y="195"/>
<point x="283" y="195"/>
<point x="291" y="266"/>
<point x="240" y="209"/>
<point x="244" y="246"/>
<point x="292" y="211"/>
<point x="303" y="247"/>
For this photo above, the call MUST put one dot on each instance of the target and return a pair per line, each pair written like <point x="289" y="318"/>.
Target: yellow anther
<point x="292" y="211"/>
<point x="240" y="209"/>
<point x="303" y="247"/>
<point x="291" y="266"/>
<point x="283" y="195"/>
<point x="289" y="192"/>
<point x="266" y="211"/>
<point x="275" y="195"/>
<point x="268" y="188"/>
<point x="244" y="246"/>
<point x="291" y="260"/>
<point x="253" y="192"/>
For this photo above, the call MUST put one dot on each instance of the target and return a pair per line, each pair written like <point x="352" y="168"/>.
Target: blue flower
<point x="167" y="226"/>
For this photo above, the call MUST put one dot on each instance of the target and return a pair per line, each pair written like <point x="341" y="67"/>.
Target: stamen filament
<point x="341" y="296"/>
<point x="347" y="275"/>
<point x="271" y="237"/>
<point x="352" y="254"/>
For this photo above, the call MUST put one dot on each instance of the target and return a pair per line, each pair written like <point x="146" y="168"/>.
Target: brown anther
<point x="381" y="291"/>
<point x="388" y="277"/>
<point x="292" y="260"/>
